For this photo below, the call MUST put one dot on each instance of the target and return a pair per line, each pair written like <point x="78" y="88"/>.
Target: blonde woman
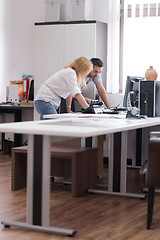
<point x="67" y="81"/>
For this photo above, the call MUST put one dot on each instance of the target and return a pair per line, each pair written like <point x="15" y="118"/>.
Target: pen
<point x="117" y="106"/>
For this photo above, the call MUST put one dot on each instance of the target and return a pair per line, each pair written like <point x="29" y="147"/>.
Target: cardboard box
<point x="81" y="10"/>
<point x="52" y="10"/>
<point x="13" y="93"/>
<point x="65" y="10"/>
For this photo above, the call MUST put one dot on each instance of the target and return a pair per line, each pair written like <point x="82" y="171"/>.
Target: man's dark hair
<point x="97" y="62"/>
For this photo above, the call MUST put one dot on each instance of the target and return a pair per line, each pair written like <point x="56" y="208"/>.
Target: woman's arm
<point x="81" y="100"/>
<point x="88" y="100"/>
<point x="69" y="103"/>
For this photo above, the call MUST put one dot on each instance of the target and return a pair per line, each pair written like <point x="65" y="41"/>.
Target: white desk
<point x="38" y="167"/>
<point x="117" y="146"/>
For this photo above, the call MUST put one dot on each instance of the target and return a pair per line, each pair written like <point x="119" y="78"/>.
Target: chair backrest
<point x="153" y="168"/>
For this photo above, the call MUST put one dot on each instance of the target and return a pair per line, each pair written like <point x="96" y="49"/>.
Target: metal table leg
<point x="117" y="171"/>
<point x="38" y="189"/>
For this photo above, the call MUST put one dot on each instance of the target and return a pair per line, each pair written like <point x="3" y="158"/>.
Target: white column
<point x="113" y="46"/>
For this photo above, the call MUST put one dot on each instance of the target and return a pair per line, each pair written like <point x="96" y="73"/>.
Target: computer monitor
<point x="132" y="84"/>
<point x="157" y="100"/>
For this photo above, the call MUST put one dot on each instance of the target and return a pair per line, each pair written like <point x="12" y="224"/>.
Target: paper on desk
<point x="87" y="121"/>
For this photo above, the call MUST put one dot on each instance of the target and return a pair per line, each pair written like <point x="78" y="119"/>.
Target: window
<point x="145" y="10"/>
<point x="141" y="40"/>
<point x="137" y="10"/>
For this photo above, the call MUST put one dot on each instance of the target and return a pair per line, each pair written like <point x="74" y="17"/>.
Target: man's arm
<point x="103" y="94"/>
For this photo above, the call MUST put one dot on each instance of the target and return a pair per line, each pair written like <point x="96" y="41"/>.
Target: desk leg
<point x="38" y="189"/>
<point x="17" y="118"/>
<point x="110" y="163"/>
<point x="117" y="171"/>
<point x="38" y="180"/>
<point x="139" y="147"/>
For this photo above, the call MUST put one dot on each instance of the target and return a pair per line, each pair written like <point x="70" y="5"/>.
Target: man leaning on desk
<point x="95" y="77"/>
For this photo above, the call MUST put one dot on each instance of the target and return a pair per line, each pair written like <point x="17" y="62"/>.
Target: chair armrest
<point x="153" y="171"/>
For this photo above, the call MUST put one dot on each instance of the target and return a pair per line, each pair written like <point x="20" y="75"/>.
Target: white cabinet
<point x="59" y="43"/>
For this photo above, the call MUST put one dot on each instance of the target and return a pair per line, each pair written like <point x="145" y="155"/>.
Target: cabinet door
<point x="80" y="40"/>
<point x="49" y="52"/>
<point x="58" y="45"/>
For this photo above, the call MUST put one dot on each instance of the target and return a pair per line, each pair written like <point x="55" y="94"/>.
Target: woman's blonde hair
<point x="82" y="67"/>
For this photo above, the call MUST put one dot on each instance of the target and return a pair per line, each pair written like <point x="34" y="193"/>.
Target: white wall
<point x="100" y="10"/>
<point x="17" y="19"/>
<point x="116" y="99"/>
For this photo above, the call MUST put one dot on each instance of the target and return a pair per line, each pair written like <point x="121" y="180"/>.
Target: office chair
<point x="150" y="172"/>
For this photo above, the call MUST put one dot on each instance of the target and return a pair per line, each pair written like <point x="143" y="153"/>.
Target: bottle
<point x="151" y="74"/>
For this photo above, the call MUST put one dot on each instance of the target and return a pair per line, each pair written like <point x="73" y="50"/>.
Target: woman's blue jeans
<point x="44" y="108"/>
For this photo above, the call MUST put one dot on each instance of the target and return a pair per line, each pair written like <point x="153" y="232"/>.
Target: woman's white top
<point x="63" y="83"/>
